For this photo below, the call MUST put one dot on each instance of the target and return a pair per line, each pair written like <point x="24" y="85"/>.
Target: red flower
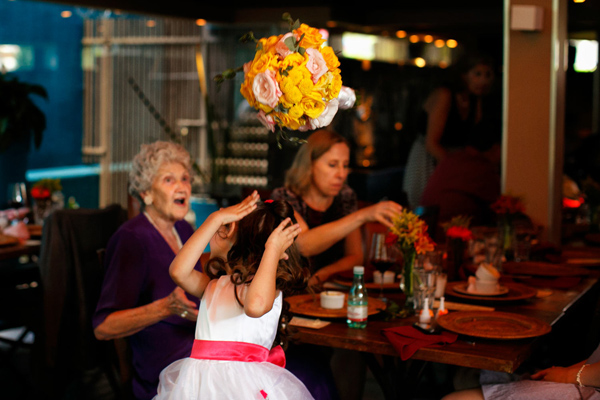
<point x="459" y="232"/>
<point x="391" y="238"/>
<point x="40" y="193"/>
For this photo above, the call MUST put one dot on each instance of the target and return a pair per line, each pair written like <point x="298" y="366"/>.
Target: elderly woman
<point x="139" y="300"/>
<point x="326" y="208"/>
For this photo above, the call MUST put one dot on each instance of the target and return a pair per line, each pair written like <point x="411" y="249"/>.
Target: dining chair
<point x="71" y="278"/>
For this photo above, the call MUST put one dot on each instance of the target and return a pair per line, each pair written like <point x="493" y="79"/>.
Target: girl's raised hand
<point x="238" y="211"/>
<point x="282" y="237"/>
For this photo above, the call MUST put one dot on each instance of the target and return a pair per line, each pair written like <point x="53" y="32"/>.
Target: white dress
<point x="222" y="319"/>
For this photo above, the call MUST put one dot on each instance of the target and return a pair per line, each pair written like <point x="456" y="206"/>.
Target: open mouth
<point x="180" y="202"/>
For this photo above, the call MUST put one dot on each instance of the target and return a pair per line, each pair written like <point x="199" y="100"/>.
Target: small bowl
<point x="332" y="300"/>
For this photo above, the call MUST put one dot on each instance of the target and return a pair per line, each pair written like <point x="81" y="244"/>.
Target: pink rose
<point x="324" y="119"/>
<point x="266" y="89"/>
<point x="266" y="120"/>
<point x="281" y="48"/>
<point x="316" y="64"/>
<point x="247" y="67"/>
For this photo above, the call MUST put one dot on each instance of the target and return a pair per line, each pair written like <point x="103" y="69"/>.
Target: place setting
<point x="487" y="286"/>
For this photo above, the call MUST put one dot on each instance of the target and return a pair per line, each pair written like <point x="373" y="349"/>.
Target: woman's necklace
<point x="179" y="243"/>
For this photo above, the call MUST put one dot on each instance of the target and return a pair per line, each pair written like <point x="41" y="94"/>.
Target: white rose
<point x="347" y="98"/>
<point x="324" y="119"/>
<point x="266" y="89"/>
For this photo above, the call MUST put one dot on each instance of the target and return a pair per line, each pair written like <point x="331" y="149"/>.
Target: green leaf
<point x="301" y="50"/>
<point x="296" y="24"/>
<point x="290" y="42"/>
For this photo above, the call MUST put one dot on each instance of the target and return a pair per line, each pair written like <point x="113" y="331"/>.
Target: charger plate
<point x="307" y="304"/>
<point x="516" y="291"/>
<point x="493" y="324"/>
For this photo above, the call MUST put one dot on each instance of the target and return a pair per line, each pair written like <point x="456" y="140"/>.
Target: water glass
<point x="521" y="244"/>
<point x="424" y="287"/>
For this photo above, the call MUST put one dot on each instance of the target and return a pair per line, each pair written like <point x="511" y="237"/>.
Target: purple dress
<point x="137" y="273"/>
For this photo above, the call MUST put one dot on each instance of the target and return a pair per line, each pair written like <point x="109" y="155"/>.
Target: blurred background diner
<point x="97" y="80"/>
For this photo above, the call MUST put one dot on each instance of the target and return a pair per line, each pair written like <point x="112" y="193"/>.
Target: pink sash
<point x="237" y="351"/>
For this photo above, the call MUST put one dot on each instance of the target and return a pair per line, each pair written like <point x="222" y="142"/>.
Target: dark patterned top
<point x="343" y="204"/>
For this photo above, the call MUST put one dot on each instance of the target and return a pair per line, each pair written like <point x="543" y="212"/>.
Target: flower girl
<point x="253" y="262"/>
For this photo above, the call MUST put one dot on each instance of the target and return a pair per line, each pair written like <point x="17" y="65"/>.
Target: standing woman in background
<point x="451" y="115"/>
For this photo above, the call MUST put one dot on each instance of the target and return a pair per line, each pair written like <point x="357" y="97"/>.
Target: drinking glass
<point x="424" y="286"/>
<point x="17" y="195"/>
<point x="382" y="256"/>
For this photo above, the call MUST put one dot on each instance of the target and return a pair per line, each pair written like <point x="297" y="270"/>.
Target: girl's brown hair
<point x="246" y="253"/>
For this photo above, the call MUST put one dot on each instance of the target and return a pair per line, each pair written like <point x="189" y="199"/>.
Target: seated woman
<point x="326" y="208"/>
<point x="579" y="381"/>
<point x="139" y="300"/>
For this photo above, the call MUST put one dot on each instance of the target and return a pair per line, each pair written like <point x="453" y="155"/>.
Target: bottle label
<point x="358" y="313"/>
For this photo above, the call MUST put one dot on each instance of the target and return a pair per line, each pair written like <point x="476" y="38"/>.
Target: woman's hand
<point x="177" y="303"/>
<point x="382" y="212"/>
<point x="282" y="237"/>
<point x="238" y="211"/>
<point x="554" y="374"/>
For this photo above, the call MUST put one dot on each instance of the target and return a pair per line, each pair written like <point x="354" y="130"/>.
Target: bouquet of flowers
<point x="507" y="208"/>
<point x="294" y="81"/>
<point x="410" y="234"/>
<point x="458" y="228"/>
<point x="507" y="205"/>
<point x="44" y="188"/>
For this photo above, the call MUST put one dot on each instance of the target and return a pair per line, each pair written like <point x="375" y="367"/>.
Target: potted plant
<point x="20" y="117"/>
<point x="21" y="120"/>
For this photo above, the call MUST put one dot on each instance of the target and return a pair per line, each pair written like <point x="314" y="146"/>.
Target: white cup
<point x="333" y="300"/>
<point x="440" y="285"/>
<point x="487" y="272"/>
<point x="487" y="286"/>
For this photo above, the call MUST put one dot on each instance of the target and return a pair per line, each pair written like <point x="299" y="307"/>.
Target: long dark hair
<point x="246" y="253"/>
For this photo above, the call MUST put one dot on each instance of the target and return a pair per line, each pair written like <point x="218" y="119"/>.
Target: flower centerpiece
<point x="507" y="209"/>
<point x="409" y="232"/>
<point x="458" y="234"/>
<point x="42" y="192"/>
<point x="294" y="81"/>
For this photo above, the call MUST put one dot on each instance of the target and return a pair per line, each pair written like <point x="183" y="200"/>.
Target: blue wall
<point x="56" y="65"/>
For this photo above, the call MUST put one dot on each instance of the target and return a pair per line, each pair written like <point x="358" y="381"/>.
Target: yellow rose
<point x="296" y="112"/>
<point x="264" y="107"/>
<point x="293" y="60"/>
<point x="323" y="83"/>
<point x="313" y="105"/>
<point x="246" y="91"/>
<point x="312" y="37"/>
<point x="330" y="58"/>
<point x="335" y="87"/>
<point x="267" y="60"/>
<point x="287" y="121"/>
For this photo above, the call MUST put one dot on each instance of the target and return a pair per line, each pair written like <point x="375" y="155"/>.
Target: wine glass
<point x="17" y="195"/>
<point x="382" y="256"/>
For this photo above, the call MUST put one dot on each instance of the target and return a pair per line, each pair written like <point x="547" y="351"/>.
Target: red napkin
<point x="407" y="339"/>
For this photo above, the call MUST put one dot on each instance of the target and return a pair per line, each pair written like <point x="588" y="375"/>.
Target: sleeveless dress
<point x="225" y="334"/>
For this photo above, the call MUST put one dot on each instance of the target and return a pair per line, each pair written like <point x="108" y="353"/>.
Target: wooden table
<point x="489" y="354"/>
<point x="16" y="251"/>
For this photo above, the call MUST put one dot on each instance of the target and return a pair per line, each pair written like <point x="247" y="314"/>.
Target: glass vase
<point x="506" y="230"/>
<point x="408" y="256"/>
